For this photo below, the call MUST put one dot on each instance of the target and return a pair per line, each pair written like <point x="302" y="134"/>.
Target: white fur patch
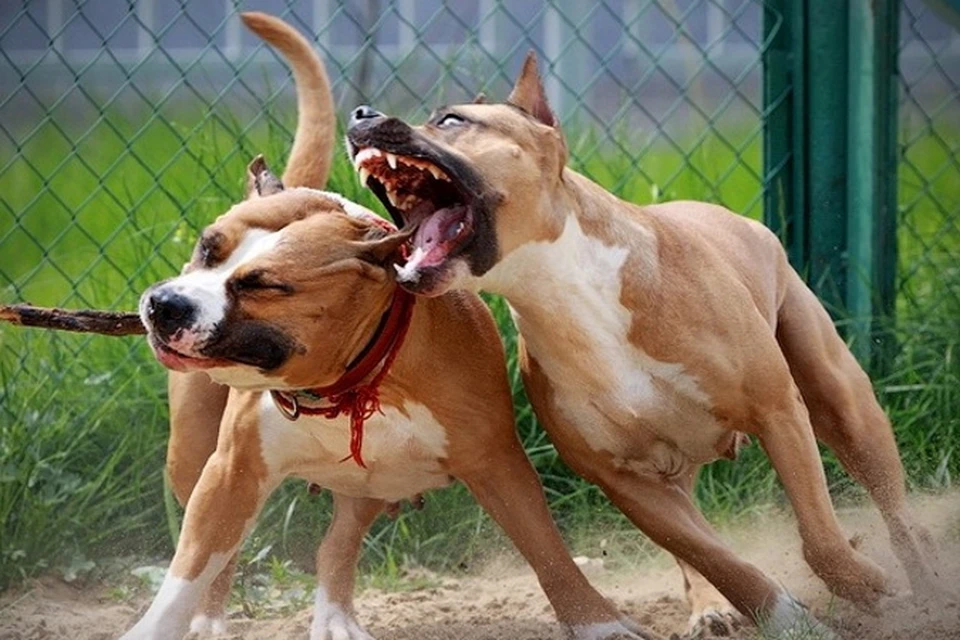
<point x="403" y="451"/>
<point x="353" y="209"/>
<point x="788" y="619"/>
<point x="171" y="610"/>
<point x="330" y="620"/>
<point x="207" y="288"/>
<point x="206" y="626"/>
<point x="601" y="631"/>
<point x="566" y="300"/>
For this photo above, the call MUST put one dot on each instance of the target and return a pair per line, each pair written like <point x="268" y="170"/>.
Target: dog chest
<point x="575" y="325"/>
<point x="403" y="451"/>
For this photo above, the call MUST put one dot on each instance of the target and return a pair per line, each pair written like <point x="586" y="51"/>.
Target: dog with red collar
<point x="324" y="369"/>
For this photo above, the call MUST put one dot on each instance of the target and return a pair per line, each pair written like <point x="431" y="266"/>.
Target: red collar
<point x="347" y="395"/>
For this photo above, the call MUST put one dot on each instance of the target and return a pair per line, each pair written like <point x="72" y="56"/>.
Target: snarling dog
<point x="335" y="375"/>
<point x="653" y="338"/>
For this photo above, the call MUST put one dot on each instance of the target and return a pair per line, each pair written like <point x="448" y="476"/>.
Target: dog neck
<point x="580" y="246"/>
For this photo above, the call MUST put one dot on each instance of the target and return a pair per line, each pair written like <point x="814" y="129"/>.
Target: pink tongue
<point x="439" y="229"/>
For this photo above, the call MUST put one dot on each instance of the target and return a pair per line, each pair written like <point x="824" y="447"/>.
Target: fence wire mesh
<point x="124" y="126"/>
<point x="929" y="220"/>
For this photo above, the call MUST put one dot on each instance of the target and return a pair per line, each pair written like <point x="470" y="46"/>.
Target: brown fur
<point x="707" y="291"/>
<point x="334" y="282"/>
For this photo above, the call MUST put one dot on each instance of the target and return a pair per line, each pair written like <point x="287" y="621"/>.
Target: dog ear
<point x="528" y="93"/>
<point x="382" y="248"/>
<point x="480" y="99"/>
<point x="260" y="180"/>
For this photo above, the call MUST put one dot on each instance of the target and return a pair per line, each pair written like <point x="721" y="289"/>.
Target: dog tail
<point x="312" y="154"/>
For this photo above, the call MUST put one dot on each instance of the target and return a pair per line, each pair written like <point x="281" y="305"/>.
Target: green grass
<point x="83" y="419"/>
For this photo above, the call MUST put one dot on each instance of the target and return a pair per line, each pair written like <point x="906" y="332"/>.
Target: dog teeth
<point x="364" y="175"/>
<point x="437" y="172"/>
<point x="391" y="160"/>
<point x="392" y="196"/>
<point x="365" y="154"/>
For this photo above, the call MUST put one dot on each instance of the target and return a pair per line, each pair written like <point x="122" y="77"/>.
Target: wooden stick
<point x="108" y="323"/>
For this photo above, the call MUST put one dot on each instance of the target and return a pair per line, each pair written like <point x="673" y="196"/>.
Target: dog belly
<point x="662" y="433"/>
<point x="403" y="451"/>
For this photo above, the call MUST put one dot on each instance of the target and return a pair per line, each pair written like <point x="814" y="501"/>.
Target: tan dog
<point x="294" y="290"/>
<point x="651" y="338"/>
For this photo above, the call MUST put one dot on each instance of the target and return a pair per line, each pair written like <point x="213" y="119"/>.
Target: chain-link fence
<point x="123" y="125"/>
<point x="928" y="275"/>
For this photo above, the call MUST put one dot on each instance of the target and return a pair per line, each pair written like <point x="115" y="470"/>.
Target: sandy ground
<point x="504" y="601"/>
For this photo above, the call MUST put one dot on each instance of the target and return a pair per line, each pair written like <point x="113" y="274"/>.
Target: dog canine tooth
<point x="364" y="175"/>
<point x="391" y="160"/>
<point x="437" y="172"/>
<point x="392" y="195"/>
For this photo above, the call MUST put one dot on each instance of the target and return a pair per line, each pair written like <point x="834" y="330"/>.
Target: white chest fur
<point x="566" y="300"/>
<point x="402" y="449"/>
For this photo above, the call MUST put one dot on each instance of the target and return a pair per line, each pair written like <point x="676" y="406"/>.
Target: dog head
<point x="282" y="291"/>
<point x="475" y="181"/>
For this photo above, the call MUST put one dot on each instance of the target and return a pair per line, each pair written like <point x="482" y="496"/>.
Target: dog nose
<point x="169" y="311"/>
<point x="362" y="114"/>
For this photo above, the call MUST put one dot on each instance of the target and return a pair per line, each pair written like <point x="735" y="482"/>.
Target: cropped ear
<point x="260" y="180"/>
<point x="528" y="93"/>
<point x="384" y="249"/>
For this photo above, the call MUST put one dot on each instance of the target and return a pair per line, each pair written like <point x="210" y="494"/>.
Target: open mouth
<point x="423" y="196"/>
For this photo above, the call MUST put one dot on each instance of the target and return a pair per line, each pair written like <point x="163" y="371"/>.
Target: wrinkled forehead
<point x="229" y="238"/>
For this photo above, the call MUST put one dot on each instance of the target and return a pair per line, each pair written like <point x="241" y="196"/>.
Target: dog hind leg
<point x="846" y="417"/>
<point x="333" y="615"/>
<point x="711" y="615"/>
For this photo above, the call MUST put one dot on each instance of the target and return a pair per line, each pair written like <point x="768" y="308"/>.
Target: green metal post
<point x="826" y="140"/>
<point x="872" y="173"/>
<point x="783" y="152"/>
<point x="830" y="97"/>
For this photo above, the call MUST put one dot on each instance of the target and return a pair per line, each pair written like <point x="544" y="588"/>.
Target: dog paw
<point x="203" y="625"/>
<point x="791" y="620"/>
<point x="624" y="629"/>
<point x="714" y="623"/>
<point x="333" y="622"/>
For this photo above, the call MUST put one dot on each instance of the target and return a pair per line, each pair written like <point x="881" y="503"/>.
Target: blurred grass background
<point x="82" y="439"/>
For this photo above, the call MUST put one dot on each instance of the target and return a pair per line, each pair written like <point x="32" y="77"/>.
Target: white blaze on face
<point x="207" y="289"/>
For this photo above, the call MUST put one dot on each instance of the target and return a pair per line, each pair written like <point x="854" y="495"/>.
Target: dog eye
<point x="256" y="281"/>
<point x="450" y="120"/>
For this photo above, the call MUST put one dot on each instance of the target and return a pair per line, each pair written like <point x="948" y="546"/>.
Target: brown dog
<point x="291" y="296"/>
<point x="652" y="338"/>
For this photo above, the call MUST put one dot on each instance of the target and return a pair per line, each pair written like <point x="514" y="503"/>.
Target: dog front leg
<point x="509" y="490"/>
<point x="333" y="615"/>
<point x="223" y="506"/>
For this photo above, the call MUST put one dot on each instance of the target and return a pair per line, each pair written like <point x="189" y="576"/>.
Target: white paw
<point x="206" y="626"/>
<point x="714" y="622"/>
<point x="333" y="622"/>
<point x="608" y="631"/>
<point x="790" y="620"/>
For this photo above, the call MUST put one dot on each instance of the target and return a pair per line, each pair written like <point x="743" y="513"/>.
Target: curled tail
<point x="313" y="144"/>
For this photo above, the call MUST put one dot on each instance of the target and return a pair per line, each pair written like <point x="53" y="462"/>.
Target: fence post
<point x="830" y="154"/>
<point x="872" y="168"/>
<point x="783" y="151"/>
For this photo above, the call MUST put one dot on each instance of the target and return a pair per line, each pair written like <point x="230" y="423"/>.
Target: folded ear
<point x="528" y="93"/>
<point x="384" y="248"/>
<point x="260" y="180"/>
